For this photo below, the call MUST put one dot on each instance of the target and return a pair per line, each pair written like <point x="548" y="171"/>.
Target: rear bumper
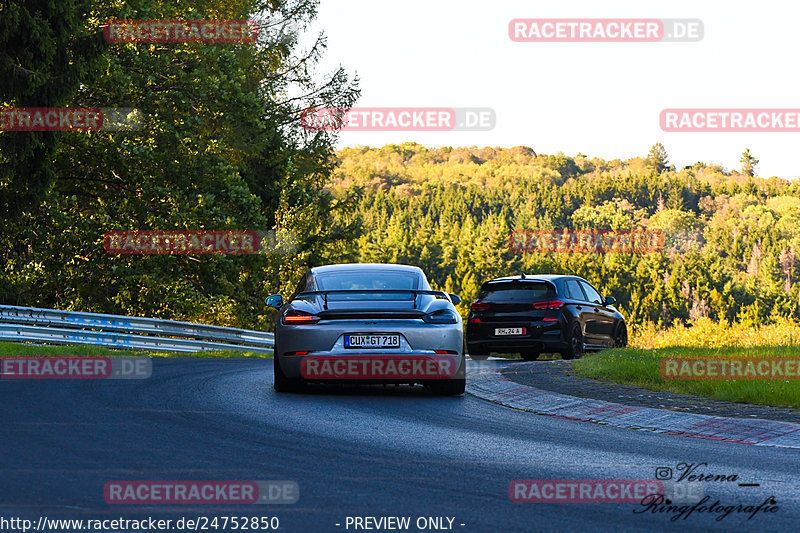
<point x="372" y="367"/>
<point x="542" y="337"/>
<point x="327" y="358"/>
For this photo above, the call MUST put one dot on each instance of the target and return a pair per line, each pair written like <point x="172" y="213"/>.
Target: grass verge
<point x="639" y="364"/>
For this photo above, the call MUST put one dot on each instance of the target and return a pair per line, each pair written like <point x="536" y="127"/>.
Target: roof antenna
<point x="523" y="276"/>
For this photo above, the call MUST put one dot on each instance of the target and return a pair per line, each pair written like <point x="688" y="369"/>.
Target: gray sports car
<point x="368" y="323"/>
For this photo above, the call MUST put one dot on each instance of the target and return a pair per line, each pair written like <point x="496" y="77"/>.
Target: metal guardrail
<point x="51" y="326"/>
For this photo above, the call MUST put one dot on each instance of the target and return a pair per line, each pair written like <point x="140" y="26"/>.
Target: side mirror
<point x="276" y="301"/>
<point x="455" y="298"/>
<point x="610" y="300"/>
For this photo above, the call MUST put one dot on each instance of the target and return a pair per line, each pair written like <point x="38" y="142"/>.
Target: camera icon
<point x="663" y="473"/>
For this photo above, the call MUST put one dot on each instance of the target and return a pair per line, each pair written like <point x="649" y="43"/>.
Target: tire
<point x="575" y="341"/>
<point x="454" y="386"/>
<point x="283" y="383"/>
<point x="530" y="356"/>
<point x="621" y="336"/>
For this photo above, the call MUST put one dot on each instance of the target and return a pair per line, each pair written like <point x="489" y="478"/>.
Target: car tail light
<point x="296" y="353"/>
<point x="447" y="352"/>
<point x="550" y="304"/>
<point x="442" y="316"/>
<point x="549" y="319"/>
<point x="479" y="306"/>
<point x="299" y="318"/>
<point x="474" y="320"/>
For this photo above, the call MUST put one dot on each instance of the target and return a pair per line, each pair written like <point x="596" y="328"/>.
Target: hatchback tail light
<point x="299" y="318"/>
<point x="479" y="306"/>
<point x="550" y="304"/>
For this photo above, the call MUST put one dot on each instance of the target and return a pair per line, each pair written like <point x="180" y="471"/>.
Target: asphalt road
<point x="353" y="452"/>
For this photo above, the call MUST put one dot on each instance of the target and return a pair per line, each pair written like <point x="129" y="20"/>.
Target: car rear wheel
<point x="621" y="336"/>
<point x="574" y="342"/>
<point x="453" y="386"/>
<point x="283" y="383"/>
<point x="530" y="356"/>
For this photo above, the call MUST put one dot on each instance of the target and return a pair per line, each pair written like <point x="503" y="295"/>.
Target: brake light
<point x="442" y="316"/>
<point x="548" y="319"/>
<point x="550" y="304"/>
<point x="299" y="318"/>
<point x="474" y="320"/>
<point x="296" y="353"/>
<point x="479" y="306"/>
<point x="448" y="352"/>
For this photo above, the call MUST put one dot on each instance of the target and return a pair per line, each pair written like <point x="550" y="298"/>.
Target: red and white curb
<point x="489" y="384"/>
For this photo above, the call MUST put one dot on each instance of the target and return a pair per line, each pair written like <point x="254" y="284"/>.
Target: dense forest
<point x="221" y="147"/>
<point x="730" y="238"/>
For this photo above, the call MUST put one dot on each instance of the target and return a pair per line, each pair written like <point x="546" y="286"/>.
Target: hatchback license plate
<point x="509" y="331"/>
<point x="372" y="341"/>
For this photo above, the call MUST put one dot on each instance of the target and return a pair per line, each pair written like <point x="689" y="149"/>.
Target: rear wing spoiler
<point x="415" y="292"/>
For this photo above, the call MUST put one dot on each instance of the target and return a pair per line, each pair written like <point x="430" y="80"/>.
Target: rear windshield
<point x="517" y="291"/>
<point x="368" y="280"/>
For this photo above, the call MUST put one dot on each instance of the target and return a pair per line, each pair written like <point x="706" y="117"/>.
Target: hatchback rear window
<point x="520" y="291"/>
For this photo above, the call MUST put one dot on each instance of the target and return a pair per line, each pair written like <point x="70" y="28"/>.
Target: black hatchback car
<point x="549" y="313"/>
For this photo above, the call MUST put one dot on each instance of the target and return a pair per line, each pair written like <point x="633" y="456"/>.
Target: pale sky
<point x="600" y="99"/>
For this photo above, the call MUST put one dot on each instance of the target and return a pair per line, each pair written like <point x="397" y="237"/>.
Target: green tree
<point x="658" y="157"/>
<point x="46" y="52"/>
<point x="749" y="163"/>
<point x="221" y="148"/>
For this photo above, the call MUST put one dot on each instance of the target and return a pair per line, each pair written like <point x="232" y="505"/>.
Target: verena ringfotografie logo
<point x="605" y="30"/>
<point x="75" y="367"/>
<point x="730" y="120"/>
<point x="181" y="242"/>
<point x="201" y="492"/>
<point x="588" y="241"/>
<point x="694" y="477"/>
<point x="398" y="119"/>
<point x="181" y="31"/>
<point x="70" y="119"/>
<point x="738" y="368"/>
<point x="378" y="367"/>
